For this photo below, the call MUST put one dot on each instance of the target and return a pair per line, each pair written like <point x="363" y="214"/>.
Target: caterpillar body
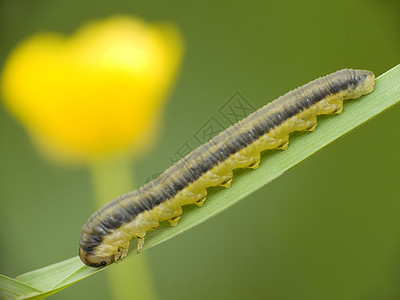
<point x="106" y="235"/>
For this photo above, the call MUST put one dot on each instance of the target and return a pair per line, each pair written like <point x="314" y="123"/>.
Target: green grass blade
<point x="14" y="289"/>
<point x="43" y="282"/>
<point x="62" y="273"/>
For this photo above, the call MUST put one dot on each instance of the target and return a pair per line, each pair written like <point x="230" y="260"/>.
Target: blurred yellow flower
<point x="96" y="93"/>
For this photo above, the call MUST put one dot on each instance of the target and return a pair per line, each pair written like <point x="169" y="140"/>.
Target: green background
<point x="327" y="229"/>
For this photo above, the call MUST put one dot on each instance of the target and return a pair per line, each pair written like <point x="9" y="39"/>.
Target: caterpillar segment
<point x="106" y="235"/>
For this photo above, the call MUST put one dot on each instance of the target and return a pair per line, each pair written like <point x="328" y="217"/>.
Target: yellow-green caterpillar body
<point x="106" y="235"/>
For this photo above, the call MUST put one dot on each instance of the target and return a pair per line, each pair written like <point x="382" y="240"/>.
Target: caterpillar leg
<point x="312" y="127"/>
<point x="282" y="141"/>
<point x="174" y="221"/>
<point x="140" y="242"/>
<point x="200" y="202"/>
<point x="284" y="145"/>
<point x="227" y="183"/>
<point x="338" y="110"/>
<point x="255" y="163"/>
<point x="226" y="177"/>
<point x="122" y="252"/>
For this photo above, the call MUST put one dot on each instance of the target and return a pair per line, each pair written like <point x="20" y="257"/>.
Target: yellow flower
<point x="96" y="93"/>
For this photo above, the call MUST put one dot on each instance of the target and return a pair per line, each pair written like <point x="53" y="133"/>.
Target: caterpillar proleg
<point x="106" y="235"/>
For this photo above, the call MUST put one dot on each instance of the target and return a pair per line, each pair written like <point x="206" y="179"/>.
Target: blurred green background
<point x="328" y="229"/>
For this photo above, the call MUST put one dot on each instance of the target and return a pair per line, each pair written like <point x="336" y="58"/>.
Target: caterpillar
<point x="106" y="235"/>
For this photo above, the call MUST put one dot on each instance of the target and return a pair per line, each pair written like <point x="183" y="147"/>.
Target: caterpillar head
<point x="365" y="82"/>
<point x="95" y="261"/>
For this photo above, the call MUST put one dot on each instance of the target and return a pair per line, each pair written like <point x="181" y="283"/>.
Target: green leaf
<point x="46" y="281"/>
<point x="13" y="289"/>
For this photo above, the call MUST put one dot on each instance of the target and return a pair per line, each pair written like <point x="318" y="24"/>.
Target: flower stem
<point x="131" y="278"/>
